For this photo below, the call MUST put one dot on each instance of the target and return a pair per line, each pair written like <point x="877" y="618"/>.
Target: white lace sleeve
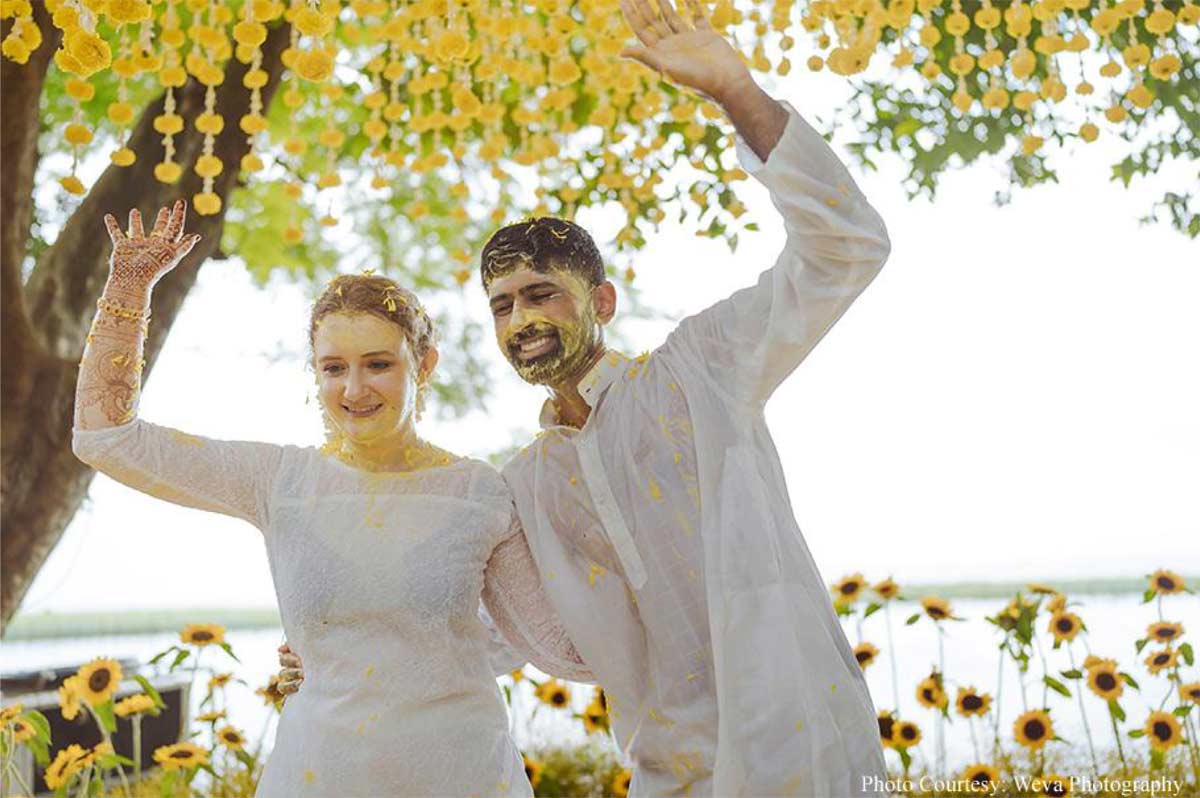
<point x="228" y="477"/>
<point x="513" y="596"/>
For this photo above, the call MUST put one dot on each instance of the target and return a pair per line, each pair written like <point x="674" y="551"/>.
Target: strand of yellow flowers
<point x="250" y="34"/>
<point x="210" y="123"/>
<point x="83" y="54"/>
<point x="25" y="36"/>
<point x="120" y="112"/>
<point x="171" y="77"/>
<point x="293" y="98"/>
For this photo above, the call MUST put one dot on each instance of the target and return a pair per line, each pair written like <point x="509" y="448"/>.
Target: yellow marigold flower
<point x="1161" y="660"/>
<point x="251" y="163"/>
<point x="980" y="778"/>
<point x="134" y="705"/>
<point x="1115" y="113"/>
<point x="958" y="23"/>
<point x="332" y="138"/>
<point x="1023" y="63"/>
<point x="311" y="22"/>
<point x="937" y="608"/>
<point x="68" y="698"/>
<point x="887" y="728"/>
<point x="90" y="51"/>
<point x="1104" y="680"/>
<point x="1163" y="731"/>
<point x="564" y="71"/>
<point x="1190" y="692"/>
<point x="203" y="634"/>
<point x="452" y="45"/>
<point x="1140" y="96"/>
<point x="1031" y="144"/>
<point x="1163" y="67"/>
<point x="1052" y="785"/>
<point x="1065" y="625"/>
<point x="1166" y="582"/>
<point x="970" y="702"/>
<point x="620" y="784"/>
<point x="292" y="235"/>
<point x="206" y="204"/>
<point x="1110" y="69"/>
<point x="80" y="90"/>
<point x="66" y="764"/>
<point x="328" y="220"/>
<point x="847" y="589"/>
<point x="1033" y="729"/>
<point x="533" y="770"/>
<point x="209" y="166"/>
<point x="987" y="18"/>
<point x="816" y="63"/>
<point x="77" y="135"/>
<point x="249" y="34"/>
<point x="1089" y="132"/>
<point x="122" y="12"/>
<point x="15" y="50"/>
<point x="167" y="172"/>
<point x="930" y="693"/>
<point x="120" y="113"/>
<point x="995" y="99"/>
<point x="174" y="76"/>
<point x="865" y="654"/>
<point x="180" y="756"/>
<point x="907" y="734"/>
<point x="962" y="100"/>
<point x="1164" y="631"/>
<point x="210" y="123"/>
<point x="231" y="738"/>
<point x="98" y="680"/>
<point x="22" y="730"/>
<point x="314" y="65"/>
<point x="10" y="712"/>
<point x="252" y="124"/>
<point x="1160" y="21"/>
<point x="1189" y="14"/>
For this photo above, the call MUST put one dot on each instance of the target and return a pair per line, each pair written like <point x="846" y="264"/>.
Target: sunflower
<point x="1054" y="785"/>
<point x="1104" y="681"/>
<point x="9" y="712"/>
<point x="1163" y="730"/>
<point x="865" y="653"/>
<point x="1064" y="626"/>
<point x="930" y="693"/>
<point x="231" y="738"/>
<point x="219" y="680"/>
<point x="1164" y="631"/>
<point x="936" y="608"/>
<point x="202" y="634"/>
<point x="1164" y="581"/>
<point x="970" y="702"/>
<point x="1057" y="603"/>
<point x="595" y="718"/>
<point x="533" y="770"/>
<point x="210" y="717"/>
<point x="98" y="680"/>
<point x="1190" y="692"/>
<point x="599" y="697"/>
<point x="887" y="589"/>
<point x="66" y="764"/>
<point x="847" y="589"/>
<point x="1161" y="660"/>
<point x="980" y="777"/>
<point x="22" y="730"/>
<point x="554" y="693"/>
<point x="517" y="675"/>
<point x="68" y="697"/>
<point x="270" y="693"/>
<point x="180" y="755"/>
<point x="1033" y="729"/>
<point x="907" y="734"/>
<point x="134" y="705"/>
<point x="887" y="729"/>
<point x="1038" y="587"/>
<point x="620" y="782"/>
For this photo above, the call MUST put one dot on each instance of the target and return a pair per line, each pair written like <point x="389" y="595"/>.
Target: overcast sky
<point x="1016" y="395"/>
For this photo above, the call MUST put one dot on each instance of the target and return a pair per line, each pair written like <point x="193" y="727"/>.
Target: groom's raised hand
<point x="693" y="55"/>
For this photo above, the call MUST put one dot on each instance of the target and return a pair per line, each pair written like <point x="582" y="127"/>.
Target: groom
<point x="654" y="501"/>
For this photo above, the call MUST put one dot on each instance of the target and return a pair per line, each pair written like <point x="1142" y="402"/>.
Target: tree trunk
<point x="46" y="321"/>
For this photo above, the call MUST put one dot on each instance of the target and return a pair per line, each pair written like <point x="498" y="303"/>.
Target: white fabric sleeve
<point x="228" y="477"/>
<point x="836" y="244"/>
<point x="502" y="657"/>
<point x="513" y="596"/>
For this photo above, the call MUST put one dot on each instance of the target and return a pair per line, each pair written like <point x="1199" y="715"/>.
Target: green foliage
<point x="585" y="771"/>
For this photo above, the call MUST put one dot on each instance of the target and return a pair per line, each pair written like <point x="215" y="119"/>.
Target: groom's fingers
<point x="289" y="660"/>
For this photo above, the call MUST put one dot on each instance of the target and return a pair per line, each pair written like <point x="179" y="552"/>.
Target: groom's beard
<point x="573" y="344"/>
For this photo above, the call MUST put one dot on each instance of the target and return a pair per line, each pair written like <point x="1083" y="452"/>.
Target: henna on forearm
<point x="110" y="373"/>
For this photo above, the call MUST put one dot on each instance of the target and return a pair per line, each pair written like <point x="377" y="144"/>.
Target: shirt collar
<point x="592" y="386"/>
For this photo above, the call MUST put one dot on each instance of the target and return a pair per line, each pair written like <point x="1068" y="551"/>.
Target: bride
<point x="381" y="544"/>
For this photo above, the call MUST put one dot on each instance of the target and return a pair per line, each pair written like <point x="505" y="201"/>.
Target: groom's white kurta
<point x="666" y="540"/>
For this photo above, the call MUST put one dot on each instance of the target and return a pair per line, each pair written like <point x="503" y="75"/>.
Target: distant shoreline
<point x="52" y="625"/>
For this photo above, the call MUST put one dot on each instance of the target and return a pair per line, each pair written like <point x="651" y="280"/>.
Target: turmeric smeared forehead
<point x="541" y="244"/>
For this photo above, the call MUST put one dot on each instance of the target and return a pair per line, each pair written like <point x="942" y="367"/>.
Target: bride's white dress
<point x="379" y="579"/>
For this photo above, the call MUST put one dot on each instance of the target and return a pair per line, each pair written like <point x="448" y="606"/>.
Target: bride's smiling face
<point x="367" y="376"/>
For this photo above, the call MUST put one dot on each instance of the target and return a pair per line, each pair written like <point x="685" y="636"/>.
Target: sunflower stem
<point x="941" y="718"/>
<point x="137" y="747"/>
<point x="887" y="613"/>
<point x="999" y="695"/>
<point x="10" y="760"/>
<point x="974" y="742"/>
<point x="1120" y="748"/>
<point x="1087" y="729"/>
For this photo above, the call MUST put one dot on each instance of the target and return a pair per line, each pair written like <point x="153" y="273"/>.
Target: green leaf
<point x="1140" y="644"/>
<point x="1148" y="596"/>
<point x="1156" y="759"/>
<point x="41" y="750"/>
<point x="1188" y="655"/>
<point x="1136" y="733"/>
<point x="912" y="619"/>
<point x="872" y="608"/>
<point x="228" y="649"/>
<point x="1116" y="710"/>
<point x="1056" y="686"/>
<point x="1183" y="711"/>
<point x="245" y="759"/>
<point x="149" y="690"/>
<point x="1073" y="673"/>
<point x="179" y="658"/>
<point x="1129" y="680"/>
<point x="41" y="726"/>
<point x="104" y="714"/>
<point x="154" y="660"/>
<point x="905" y="757"/>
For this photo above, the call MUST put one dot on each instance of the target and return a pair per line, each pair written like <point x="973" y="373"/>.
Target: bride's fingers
<point x="160" y="223"/>
<point x="289" y="660"/>
<point x="639" y="23"/>
<point x="135" y="224"/>
<point x="699" y="15"/>
<point x="114" y="228"/>
<point x="673" y="20"/>
<point x="291" y="675"/>
<point x="287" y="688"/>
<point x="175" y="224"/>
<point x="185" y="246"/>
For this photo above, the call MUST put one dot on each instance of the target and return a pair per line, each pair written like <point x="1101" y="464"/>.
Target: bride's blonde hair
<point x="380" y="297"/>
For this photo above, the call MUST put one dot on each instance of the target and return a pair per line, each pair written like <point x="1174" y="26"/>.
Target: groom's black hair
<point x="541" y="243"/>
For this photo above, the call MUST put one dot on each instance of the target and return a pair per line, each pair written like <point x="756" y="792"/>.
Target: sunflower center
<point x="849" y="589"/>
<point x="1106" y="681"/>
<point x="1065" y="625"/>
<point x="980" y="779"/>
<point x="908" y="733"/>
<point x="886" y="726"/>
<point x="181" y="755"/>
<point x="862" y="656"/>
<point x="1161" y="659"/>
<point x="1055" y="788"/>
<point x="937" y="612"/>
<point x="99" y="680"/>
<point x="1165" y="583"/>
<point x="972" y="702"/>
<point x="1162" y="730"/>
<point x="1035" y="729"/>
<point x="202" y="636"/>
<point x="558" y="698"/>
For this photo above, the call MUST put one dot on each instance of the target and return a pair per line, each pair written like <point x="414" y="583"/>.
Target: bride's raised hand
<point x="139" y="260"/>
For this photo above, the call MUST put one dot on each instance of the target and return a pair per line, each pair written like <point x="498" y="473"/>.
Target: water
<point x="970" y="659"/>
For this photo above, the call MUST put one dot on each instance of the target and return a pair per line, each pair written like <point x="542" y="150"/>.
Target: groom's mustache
<point x="513" y="341"/>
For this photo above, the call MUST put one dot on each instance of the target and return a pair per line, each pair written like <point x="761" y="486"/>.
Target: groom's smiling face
<point x="549" y="324"/>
